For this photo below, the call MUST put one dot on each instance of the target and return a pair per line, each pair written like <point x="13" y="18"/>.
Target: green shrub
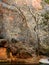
<point x="47" y="1"/>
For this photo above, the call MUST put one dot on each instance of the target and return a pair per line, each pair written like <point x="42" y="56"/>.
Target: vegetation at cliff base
<point x="47" y="1"/>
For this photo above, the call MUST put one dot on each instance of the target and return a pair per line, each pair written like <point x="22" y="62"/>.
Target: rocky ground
<point x="7" y="54"/>
<point x="4" y="58"/>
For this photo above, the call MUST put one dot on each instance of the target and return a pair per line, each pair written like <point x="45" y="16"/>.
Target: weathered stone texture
<point x="27" y="25"/>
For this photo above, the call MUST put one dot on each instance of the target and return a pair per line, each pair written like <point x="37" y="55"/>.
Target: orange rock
<point x="37" y="4"/>
<point x="11" y="18"/>
<point x="4" y="0"/>
<point x="3" y="54"/>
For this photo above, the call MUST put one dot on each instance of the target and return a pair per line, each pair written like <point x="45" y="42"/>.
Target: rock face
<point x="27" y="25"/>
